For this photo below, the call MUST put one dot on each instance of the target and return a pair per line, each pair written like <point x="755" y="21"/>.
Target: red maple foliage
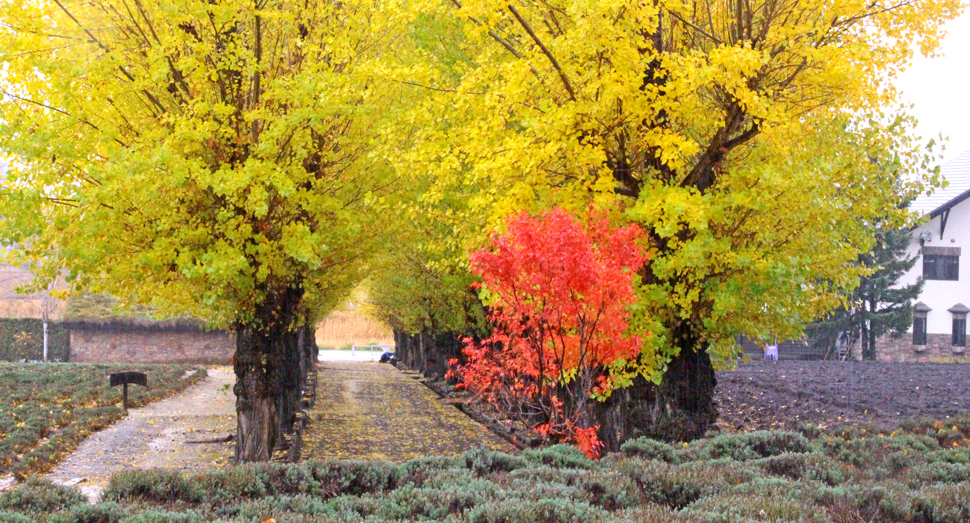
<point x="559" y="290"/>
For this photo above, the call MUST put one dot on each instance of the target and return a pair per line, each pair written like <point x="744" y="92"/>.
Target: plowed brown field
<point x="785" y="394"/>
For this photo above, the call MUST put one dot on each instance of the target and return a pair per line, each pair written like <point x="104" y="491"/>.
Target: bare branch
<point x="710" y="36"/>
<point x="443" y="90"/>
<point x="70" y="202"/>
<point x="838" y="23"/>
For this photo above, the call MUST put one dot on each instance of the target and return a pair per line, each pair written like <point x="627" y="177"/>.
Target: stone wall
<point x="902" y="349"/>
<point x="151" y="346"/>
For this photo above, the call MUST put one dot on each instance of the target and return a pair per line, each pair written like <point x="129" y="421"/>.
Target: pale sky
<point x="940" y="89"/>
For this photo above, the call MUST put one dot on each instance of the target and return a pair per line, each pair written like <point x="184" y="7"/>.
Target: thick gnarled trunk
<point x="681" y="408"/>
<point x="267" y="375"/>
<point x="257" y="428"/>
<point x="293" y="376"/>
<point x="257" y="364"/>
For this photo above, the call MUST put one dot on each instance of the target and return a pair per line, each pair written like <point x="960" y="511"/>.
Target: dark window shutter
<point x="960" y="332"/>
<point x="919" y="331"/>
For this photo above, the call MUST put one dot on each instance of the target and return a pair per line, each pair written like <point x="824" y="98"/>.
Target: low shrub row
<point x="46" y="409"/>
<point x="776" y="476"/>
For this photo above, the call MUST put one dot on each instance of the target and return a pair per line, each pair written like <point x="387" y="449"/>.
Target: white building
<point x="940" y="325"/>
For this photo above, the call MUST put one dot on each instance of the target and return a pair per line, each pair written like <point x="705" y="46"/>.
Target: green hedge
<point x="23" y="339"/>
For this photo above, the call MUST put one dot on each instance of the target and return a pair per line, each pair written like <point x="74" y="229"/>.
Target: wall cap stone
<point x="941" y="251"/>
<point x="959" y="309"/>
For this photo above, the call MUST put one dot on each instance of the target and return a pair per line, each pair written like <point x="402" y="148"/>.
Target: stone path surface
<point x="156" y="436"/>
<point x="370" y="410"/>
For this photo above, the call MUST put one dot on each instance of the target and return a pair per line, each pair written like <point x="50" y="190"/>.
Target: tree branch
<point x="61" y="111"/>
<point x="104" y="48"/>
<point x="491" y="33"/>
<point x="552" y="59"/>
<point x="681" y="19"/>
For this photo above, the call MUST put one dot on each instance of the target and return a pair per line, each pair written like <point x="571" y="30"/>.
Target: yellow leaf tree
<point x="201" y="157"/>
<point x="419" y="285"/>
<point x="751" y="139"/>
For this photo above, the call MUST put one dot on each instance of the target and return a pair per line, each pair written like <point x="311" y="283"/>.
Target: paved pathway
<point x="364" y="410"/>
<point x="155" y="436"/>
<point x="372" y="410"/>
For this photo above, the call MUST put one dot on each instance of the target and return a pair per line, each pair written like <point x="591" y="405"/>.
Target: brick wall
<point x="903" y="350"/>
<point x="151" y="346"/>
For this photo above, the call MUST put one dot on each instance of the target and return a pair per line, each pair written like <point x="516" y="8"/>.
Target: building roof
<point x="957" y="173"/>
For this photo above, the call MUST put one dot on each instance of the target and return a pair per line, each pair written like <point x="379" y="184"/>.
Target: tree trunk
<point x="681" y="408"/>
<point x="306" y="344"/>
<point x="427" y="353"/>
<point x="257" y="391"/>
<point x="868" y="340"/>
<point x="264" y="349"/>
<point x="289" y="398"/>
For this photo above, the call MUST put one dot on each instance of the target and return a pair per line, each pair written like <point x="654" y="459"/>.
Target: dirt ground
<point x="784" y="394"/>
<point x="158" y="435"/>
<point x="369" y="410"/>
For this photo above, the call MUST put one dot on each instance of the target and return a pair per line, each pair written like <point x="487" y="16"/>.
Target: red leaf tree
<point x="559" y="290"/>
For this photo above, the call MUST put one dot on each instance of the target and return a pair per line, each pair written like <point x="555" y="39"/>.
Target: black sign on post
<point x="123" y="379"/>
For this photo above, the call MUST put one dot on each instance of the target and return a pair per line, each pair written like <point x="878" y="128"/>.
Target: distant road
<point x="346" y="355"/>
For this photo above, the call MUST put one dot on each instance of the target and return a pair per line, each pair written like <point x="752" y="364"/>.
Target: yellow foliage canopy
<point x="749" y="137"/>
<point x="199" y="156"/>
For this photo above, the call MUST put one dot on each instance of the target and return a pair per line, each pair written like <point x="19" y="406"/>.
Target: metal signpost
<point x="123" y="379"/>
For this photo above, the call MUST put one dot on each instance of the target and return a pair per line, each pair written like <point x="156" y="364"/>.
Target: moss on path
<point x="374" y="411"/>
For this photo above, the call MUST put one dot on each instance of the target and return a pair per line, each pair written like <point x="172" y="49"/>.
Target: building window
<point x="959" y="312"/>
<point x="960" y="332"/>
<point x="941" y="267"/>
<point x="919" y="331"/>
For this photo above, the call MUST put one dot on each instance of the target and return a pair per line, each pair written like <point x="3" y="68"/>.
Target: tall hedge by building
<point x="23" y="339"/>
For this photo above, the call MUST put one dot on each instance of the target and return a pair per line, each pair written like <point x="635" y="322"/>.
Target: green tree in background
<point x="421" y="285"/>
<point x="879" y="305"/>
